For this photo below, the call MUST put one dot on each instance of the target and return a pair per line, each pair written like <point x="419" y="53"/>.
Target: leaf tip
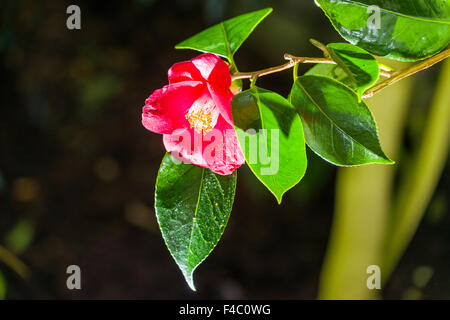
<point x="266" y="11"/>
<point x="190" y="281"/>
<point x="384" y="160"/>
<point x="181" y="45"/>
<point x="279" y="198"/>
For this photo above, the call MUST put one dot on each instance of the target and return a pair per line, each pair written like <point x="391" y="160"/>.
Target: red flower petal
<point x="184" y="71"/>
<point x="213" y="69"/>
<point x="233" y="157"/>
<point x="222" y="99"/>
<point x="218" y="150"/>
<point x="193" y="113"/>
<point x="165" y="109"/>
<point x="186" y="146"/>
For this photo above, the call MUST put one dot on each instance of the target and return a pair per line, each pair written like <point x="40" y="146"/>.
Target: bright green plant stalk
<point x="418" y="185"/>
<point x="362" y="206"/>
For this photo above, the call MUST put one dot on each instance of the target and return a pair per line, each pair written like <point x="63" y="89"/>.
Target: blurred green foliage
<point x="20" y="237"/>
<point x="2" y="286"/>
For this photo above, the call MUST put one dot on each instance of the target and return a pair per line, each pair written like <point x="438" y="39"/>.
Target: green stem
<point x="320" y="46"/>
<point x="295" y="71"/>
<point x="253" y="83"/>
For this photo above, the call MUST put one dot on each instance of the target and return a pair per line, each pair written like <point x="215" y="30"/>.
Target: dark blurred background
<point x="77" y="169"/>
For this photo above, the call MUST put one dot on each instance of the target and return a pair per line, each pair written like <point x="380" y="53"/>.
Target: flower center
<point x="202" y="116"/>
<point x="200" y="120"/>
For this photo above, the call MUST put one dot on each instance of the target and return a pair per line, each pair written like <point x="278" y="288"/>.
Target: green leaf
<point x="332" y="71"/>
<point x="225" y="38"/>
<point x="361" y="66"/>
<point x="192" y="206"/>
<point x="337" y="126"/>
<point x="408" y="30"/>
<point x="271" y="137"/>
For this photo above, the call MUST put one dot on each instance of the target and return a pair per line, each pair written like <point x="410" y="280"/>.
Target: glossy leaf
<point x="271" y="136"/>
<point x="407" y="30"/>
<point x="361" y="66"/>
<point x="225" y="38"/>
<point x="337" y="126"/>
<point x="332" y="71"/>
<point x="192" y="206"/>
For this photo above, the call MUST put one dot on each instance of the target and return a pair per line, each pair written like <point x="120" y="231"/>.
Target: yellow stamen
<point x="202" y="115"/>
<point x="201" y="120"/>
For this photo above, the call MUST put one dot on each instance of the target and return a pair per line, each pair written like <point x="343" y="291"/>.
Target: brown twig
<point x="392" y="76"/>
<point x="292" y="62"/>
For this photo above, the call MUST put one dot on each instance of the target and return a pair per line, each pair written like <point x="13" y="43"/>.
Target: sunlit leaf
<point x="332" y="71"/>
<point x="360" y="65"/>
<point x="271" y="135"/>
<point x="192" y="206"/>
<point x="337" y="126"/>
<point x="225" y="38"/>
<point x="407" y="30"/>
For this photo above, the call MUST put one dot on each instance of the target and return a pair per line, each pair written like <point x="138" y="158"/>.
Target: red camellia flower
<point x="193" y="112"/>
